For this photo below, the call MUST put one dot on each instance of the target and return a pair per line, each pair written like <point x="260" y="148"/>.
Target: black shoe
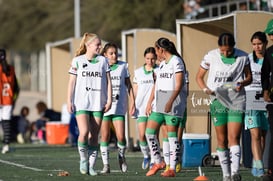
<point x="268" y="176"/>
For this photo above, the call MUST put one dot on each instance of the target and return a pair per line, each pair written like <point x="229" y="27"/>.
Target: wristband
<point x="205" y="90"/>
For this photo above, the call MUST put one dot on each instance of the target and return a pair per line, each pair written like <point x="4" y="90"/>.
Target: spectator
<point x="46" y="114"/>
<point x="192" y="8"/>
<point x="23" y="125"/>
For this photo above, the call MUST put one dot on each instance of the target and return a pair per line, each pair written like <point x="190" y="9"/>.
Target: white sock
<point x="154" y="148"/>
<point x="121" y="150"/>
<point x="235" y="156"/>
<point x="104" y="154"/>
<point x="224" y="162"/>
<point x="83" y="152"/>
<point x="145" y="150"/>
<point x="93" y="153"/>
<point x="174" y="149"/>
<point x="166" y="151"/>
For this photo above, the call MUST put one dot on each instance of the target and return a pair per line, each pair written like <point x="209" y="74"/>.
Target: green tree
<point x="27" y="25"/>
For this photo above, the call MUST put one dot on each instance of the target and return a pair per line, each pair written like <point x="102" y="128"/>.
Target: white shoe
<point x="92" y="172"/>
<point x="20" y="138"/>
<point x="122" y="164"/>
<point x="106" y="169"/>
<point x="84" y="166"/>
<point x="5" y="149"/>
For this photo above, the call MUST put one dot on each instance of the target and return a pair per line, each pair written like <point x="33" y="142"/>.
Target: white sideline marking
<point x="25" y="167"/>
<point x="37" y="169"/>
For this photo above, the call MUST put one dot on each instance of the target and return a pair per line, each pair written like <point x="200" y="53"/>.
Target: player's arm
<point x="70" y="92"/>
<point x="131" y="95"/>
<point x="109" y="93"/>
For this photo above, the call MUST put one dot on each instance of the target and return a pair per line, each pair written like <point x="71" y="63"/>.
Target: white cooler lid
<point x="195" y="136"/>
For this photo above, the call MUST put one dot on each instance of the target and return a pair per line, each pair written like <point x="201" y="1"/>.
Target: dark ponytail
<point x="4" y="63"/>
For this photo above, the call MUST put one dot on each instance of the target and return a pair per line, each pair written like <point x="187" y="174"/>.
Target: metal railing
<point x="226" y="7"/>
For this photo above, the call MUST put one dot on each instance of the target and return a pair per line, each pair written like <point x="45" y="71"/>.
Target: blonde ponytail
<point x="87" y="38"/>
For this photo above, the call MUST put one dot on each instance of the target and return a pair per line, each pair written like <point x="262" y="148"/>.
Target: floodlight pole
<point x="77" y="17"/>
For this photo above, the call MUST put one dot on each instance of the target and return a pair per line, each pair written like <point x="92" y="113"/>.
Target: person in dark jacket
<point x="46" y="114"/>
<point x="267" y="85"/>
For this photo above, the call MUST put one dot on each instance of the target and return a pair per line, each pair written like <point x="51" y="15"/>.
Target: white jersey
<point x="256" y="84"/>
<point x="119" y="72"/>
<point x="91" y="83"/>
<point x="219" y="72"/>
<point x="165" y="84"/>
<point x="145" y="82"/>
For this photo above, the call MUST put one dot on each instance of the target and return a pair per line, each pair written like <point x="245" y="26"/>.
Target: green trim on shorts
<point x="83" y="112"/>
<point x="105" y="144"/>
<point x="172" y="134"/>
<point x="97" y="114"/>
<point x="157" y="117"/>
<point x="142" y="119"/>
<point x="150" y="131"/>
<point x="113" y="118"/>
<point x="221" y="115"/>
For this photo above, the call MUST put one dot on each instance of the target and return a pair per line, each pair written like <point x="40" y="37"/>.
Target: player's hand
<point x="266" y="97"/>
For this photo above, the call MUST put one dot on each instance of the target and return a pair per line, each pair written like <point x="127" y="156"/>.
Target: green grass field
<point x="33" y="162"/>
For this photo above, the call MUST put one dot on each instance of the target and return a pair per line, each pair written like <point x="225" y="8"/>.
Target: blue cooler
<point x="196" y="147"/>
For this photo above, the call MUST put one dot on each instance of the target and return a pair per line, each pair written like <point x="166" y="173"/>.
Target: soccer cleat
<point x="5" y="149"/>
<point x="106" y="169"/>
<point x="168" y="173"/>
<point x="268" y="176"/>
<point x="122" y="164"/>
<point x="151" y="165"/>
<point x="257" y="172"/>
<point x="92" y="172"/>
<point x="236" y="177"/>
<point x="226" y="178"/>
<point x="166" y="169"/>
<point x="20" y="138"/>
<point x="178" y="167"/>
<point x="162" y="165"/>
<point x="84" y="166"/>
<point x="154" y="169"/>
<point x="145" y="163"/>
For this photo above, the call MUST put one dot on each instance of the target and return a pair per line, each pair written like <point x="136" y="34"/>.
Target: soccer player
<point x="9" y="93"/>
<point x="121" y="85"/>
<point x="256" y="120"/>
<point x="143" y="83"/>
<point x="170" y="94"/>
<point x="228" y="72"/>
<point x="89" y="96"/>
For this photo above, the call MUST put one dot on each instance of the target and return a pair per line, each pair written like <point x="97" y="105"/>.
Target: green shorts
<point x="161" y="118"/>
<point x="142" y="119"/>
<point x="113" y="118"/>
<point x="256" y="119"/>
<point x="221" y="115"/>
<point x="98" y="114"/>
